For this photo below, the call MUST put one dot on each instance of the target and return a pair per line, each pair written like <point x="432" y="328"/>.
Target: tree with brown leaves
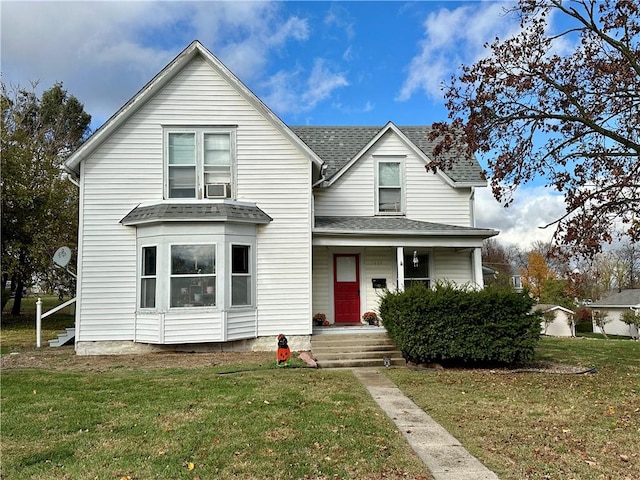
<point x="562" y="106"/>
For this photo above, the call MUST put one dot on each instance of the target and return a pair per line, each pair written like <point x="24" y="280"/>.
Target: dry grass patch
<point x="543" y="425"/>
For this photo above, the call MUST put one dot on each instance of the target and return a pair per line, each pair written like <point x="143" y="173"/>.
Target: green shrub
<point x="449" y="323"/>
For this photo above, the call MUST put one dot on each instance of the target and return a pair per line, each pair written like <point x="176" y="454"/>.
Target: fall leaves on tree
<point x="536" y="274"/>
<point x="562" y="107"/>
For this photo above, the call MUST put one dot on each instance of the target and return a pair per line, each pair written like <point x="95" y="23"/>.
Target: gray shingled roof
<point x="394" y="225"/>
<point x="625" y="298"/>
<point x="336" y="146"/>
<point x="203" y="211"/>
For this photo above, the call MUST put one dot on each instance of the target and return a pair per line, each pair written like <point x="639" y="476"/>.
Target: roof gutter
<point x="322" y="176"/>
<point x="69" y="174"/>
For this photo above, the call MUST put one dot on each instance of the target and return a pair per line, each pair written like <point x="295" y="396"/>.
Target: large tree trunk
<point x="17" y="301"/>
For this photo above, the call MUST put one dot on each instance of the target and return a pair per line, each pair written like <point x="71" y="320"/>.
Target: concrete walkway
<point x="445" y="457"/>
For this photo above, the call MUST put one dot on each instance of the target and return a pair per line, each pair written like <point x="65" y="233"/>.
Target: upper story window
<point x="200" y="162"/>
<point x="390" y="181"/>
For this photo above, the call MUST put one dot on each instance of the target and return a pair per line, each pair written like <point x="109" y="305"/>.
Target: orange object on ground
<point x="284" y="353"/>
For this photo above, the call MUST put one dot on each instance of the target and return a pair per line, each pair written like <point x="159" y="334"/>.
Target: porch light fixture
<point x="415" y="259"/>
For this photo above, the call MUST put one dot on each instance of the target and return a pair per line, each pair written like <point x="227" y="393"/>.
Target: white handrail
<point x="40" y="315"/>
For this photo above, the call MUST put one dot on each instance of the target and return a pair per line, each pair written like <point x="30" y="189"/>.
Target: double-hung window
<point x="241" y="284"/>
<point x="148" y="278"/>
<point x="389" y="188"/>
<point x="200" y="162"/>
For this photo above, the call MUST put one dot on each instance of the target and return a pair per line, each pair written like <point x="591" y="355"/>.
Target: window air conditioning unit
<point x="218" y="190"/>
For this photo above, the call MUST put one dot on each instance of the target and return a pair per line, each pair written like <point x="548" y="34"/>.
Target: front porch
<point x="357" y="259"/>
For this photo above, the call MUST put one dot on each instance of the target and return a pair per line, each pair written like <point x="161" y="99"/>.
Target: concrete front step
<point x="355" y="350"/>
<point x="64" y="338"/>
<point x="329" y="349"/>
<point x="348" y="363"/>
<point x="372" y="354"/>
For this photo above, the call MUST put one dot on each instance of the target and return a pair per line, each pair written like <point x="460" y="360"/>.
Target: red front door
<point x="346" y="288"/>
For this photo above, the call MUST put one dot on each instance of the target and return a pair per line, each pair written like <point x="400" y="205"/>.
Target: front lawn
<point x="542" y="425"/>
<point x="186" y="416"/>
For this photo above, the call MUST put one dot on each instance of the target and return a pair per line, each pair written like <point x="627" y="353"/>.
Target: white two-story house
<point x="204" y="219"/>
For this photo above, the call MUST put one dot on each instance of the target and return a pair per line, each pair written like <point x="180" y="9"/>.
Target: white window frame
<point x="408" y="254"/>
<point x="199" y="133"/>
<point x="169" y="275"/>
<point x="142" y="276"/>
<point x="400" y="160"/>
<point x="250" y="275"/>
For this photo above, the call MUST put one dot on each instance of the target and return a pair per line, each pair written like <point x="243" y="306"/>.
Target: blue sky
<point x="312" y="62"/>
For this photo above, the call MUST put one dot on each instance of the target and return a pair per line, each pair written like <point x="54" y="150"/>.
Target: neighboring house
<point x="614" y="306"/>
<point x="562" y="325"/>
<point x="516" y="281"/>
<point x="204" y="219"/>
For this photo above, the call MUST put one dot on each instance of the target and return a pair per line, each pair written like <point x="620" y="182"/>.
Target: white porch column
<point x="400" y="266"/>
<point x="477" y="267"/>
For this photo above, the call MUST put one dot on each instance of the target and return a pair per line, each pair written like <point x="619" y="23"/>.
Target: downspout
<point x="69" y="174"/>
<point x="322" y="177"/>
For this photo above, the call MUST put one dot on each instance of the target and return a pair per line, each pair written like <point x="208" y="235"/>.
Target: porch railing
<point x="40" y="316"/>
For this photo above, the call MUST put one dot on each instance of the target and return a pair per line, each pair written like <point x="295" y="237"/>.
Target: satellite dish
<point x="62" y="256"/>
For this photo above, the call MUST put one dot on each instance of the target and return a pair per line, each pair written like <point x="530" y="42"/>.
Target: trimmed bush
<point x="454" y="324"/>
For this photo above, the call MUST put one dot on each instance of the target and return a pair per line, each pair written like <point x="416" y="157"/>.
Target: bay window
<point x="193" y="276"/>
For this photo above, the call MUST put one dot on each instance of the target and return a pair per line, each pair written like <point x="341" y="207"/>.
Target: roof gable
<point x="341" y="147"/>
<point x="548" y="307"/>
<point x="156" y="84"/>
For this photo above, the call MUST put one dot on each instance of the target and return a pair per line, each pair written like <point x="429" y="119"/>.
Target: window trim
<point x="168" y="275"/>
<point x="142" y="277"/>
<point x="400" y="160"/>
<point x="199" y="133"/>
<point x="428" y="280"/>
<point x="250" y="274"/>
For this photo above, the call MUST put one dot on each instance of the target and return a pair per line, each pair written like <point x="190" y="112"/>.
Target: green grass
<point x="144" y="417"/>
<point x="19" y="332"/>
<point x="540" y="425"/>
<point x="141" y="417"/>
<point x="194" y="423"/>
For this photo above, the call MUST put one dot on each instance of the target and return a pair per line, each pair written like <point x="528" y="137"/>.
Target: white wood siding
<point x="197" y="327"/>
<point x="379" y="263"/>
<point x="127" y="170"/>
<point x="428" y="197"/>
<point x="241" y="325"/>
<point x="321" y="282"/>
<point x="452" y="265"/>
<point x="560" y="327"/>
<point x="148" y="328"/>
<point x="615" y="326"/>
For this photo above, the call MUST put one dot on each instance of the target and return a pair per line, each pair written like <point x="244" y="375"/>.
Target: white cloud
<point x="104" y="52"/>
<point x="519" y="224"/>
<point x="452" y="38"/>
<point x="294" y="92"/>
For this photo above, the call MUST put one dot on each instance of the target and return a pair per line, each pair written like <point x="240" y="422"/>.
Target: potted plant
<point x="319" y="319"/>
<point x="371" y="318"/>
